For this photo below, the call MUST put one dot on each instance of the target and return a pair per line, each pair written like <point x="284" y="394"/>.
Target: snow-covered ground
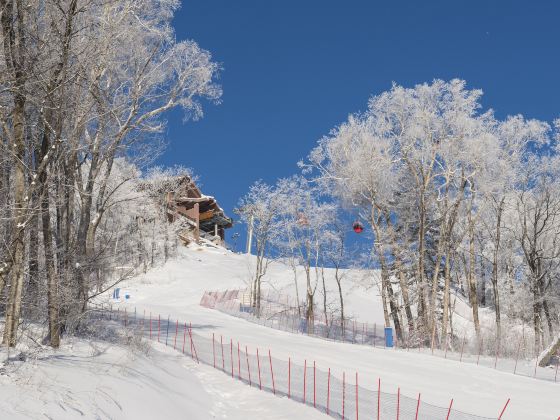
<point x="103" y="379"/>
<point x="176" y="288"/>
<point x="100" y="380"/>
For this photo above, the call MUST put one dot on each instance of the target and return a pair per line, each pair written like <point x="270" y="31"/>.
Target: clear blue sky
<point x="295" y="69"/>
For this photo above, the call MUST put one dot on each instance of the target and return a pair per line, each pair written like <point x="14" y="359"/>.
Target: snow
<point x="175" y="289"/>
<point x="99" y="380"/>
<point x="103" y="379"/>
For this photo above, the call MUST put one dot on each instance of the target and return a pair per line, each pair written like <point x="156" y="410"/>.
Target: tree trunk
<point x="446" y="296"/>
<point x="52" y="289"/>
<point x="473" y="299"/>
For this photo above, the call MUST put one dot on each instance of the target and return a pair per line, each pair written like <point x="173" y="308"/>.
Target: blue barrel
<point x="388" y="337"/>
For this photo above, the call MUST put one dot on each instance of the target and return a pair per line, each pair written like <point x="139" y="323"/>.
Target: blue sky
<point x="295" y="69"/>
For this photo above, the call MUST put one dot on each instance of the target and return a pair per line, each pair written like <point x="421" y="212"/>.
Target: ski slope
<point x="91" y="379"/>
<point x="175" y="289"/>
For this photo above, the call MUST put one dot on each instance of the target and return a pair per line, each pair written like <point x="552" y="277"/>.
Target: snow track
<point x="175" y="289"/>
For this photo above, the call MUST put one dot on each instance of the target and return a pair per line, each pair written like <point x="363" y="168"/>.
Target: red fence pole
<point x="449" y="411"/>
<point x="213" y="351"/>
<point x="304" y="379"/>
<point x="248" y="368"/>
<point x="289" y="377"/>
<point x="238" y="362"/>
<point x="177" y="330"/>
<point x="314" y="381"/>
<point x="167" y="331"/>
<point x="328" y="391"/>
<point x="271" y="372"/>
<point x="418" y="407"/>
<point x="343" y="392"/>
<point x="231" y="355"/>
<point x="378" y="398"/>
<point x="504" y="409"/>
<point x="259" y="366"/>
<point x="357" y="407"/>
<point x="184" y="337"/>
<point x="193" y="348"/>
<point x="398" y="403"/>
<point x="223" y="360"/>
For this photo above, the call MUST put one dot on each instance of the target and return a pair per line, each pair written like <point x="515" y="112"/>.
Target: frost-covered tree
<point x="83" y="84"/>
<point x="439" y="180"/>
<point x="260" y="209"/>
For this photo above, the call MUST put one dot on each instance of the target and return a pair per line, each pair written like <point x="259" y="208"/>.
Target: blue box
<point x="388" y="337"/>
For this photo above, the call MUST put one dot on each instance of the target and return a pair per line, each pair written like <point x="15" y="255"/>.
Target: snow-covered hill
<point x="176" y="288"/>
<point x="96" y="379"/>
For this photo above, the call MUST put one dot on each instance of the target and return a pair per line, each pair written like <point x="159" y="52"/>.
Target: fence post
<point x="398" y="403"/>
<point x="418" y="406"/>
<point x="271" y="372"/>
<point x="238" y="362"/>
<point x="378" y="398"/>
<point x="192" y="343"/>
<point x="223" y="360"/>
<point x="193" y="349"/>
<point x="449" y="411"/>
<point x="328" y="391"/>
<point x="314" y="381"/>
<point x="504" y="409"/>
<point x="231" y="354"/>
<point x="289" y="377"/>
<point x="184" y="337"/>
<point x="213" y="351"/>
<point x="176" y="331"/>
<point x="259" y="366"/>
<point x="343" y="392"/>
<point x="304" y="378"/>
<point x="167" y="333"/>
<point x="357" y="407"/>
<point x="248" y="367"/>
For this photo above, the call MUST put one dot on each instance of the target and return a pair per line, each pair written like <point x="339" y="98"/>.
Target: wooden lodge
<point x="206" y="220"/>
